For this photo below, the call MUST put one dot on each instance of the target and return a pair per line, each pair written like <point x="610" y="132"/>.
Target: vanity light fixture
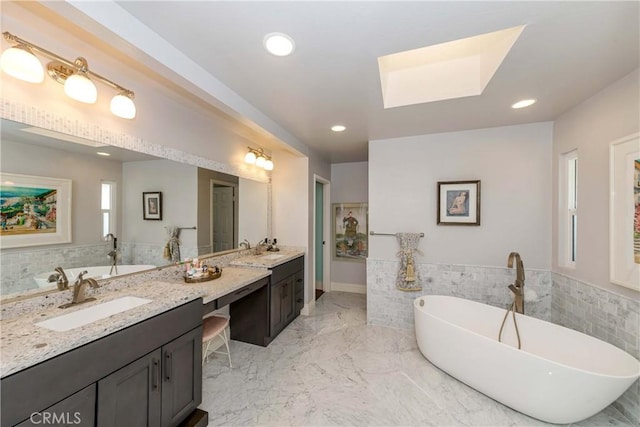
<point x="524" y="103"/>
<point x="259" y="158"/>
<point x="20" y="62"/>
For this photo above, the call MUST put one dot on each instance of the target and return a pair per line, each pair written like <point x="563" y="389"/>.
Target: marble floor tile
<point x="332" y="369"/>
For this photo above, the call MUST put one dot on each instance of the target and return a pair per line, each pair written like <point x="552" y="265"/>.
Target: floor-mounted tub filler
<point x="558" y="376"/>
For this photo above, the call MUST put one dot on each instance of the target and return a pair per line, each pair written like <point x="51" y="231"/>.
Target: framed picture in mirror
<point x="34" y="210"/>
<point x="152" y="205"/>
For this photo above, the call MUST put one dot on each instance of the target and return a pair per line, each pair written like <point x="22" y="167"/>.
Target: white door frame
<point x="326" y="234"/>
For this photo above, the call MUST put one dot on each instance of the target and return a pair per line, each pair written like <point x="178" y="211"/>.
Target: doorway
<point x="321" y="264"/>
<point x="223" y="213"/>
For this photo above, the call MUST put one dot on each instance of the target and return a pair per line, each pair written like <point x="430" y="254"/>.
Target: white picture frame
<point x="624" y="201"/>
<point x="36" y="210"/>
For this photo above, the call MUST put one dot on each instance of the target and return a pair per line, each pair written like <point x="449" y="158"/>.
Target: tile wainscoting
<point x="605" y="315"/>
<point x="388" y="306"/>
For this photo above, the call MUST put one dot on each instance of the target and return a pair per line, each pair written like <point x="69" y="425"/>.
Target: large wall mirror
<point x="139" y="199"/>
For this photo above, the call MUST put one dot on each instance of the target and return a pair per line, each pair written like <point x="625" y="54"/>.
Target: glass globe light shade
<point x="250" y="157"/>
<point x="260" y="161"/>
<point x="21" y="63"/>
<point x="123" y="106"/>
<point x="268" y="165"/>
<point x="79" y="87"/>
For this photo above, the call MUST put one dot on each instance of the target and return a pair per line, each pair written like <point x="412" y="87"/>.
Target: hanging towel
<point x="172" y="248"/>
<point x="408" y="278"/>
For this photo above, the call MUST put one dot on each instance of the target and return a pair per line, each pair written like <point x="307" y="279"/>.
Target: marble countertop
<point x="25" y="344"/>
<point x="232" y="279"/>
<point x="268" y="259"/>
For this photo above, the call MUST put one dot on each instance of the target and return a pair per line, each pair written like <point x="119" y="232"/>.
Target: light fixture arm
<point x="79" y="64"/>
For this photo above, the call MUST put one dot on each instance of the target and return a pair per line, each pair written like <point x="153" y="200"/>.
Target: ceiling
<point x="567" y="52"/>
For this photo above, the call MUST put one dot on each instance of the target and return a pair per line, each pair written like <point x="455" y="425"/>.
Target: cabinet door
<point x="288" y="300"/>
<point x="276" y="310"/>
<point x="181" y="377"/>
<point x="131" y="395"/>
<point x="298" y="283"/>
<point x="78" y="409"/>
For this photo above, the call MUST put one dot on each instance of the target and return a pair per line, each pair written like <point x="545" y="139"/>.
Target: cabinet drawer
<point x="241" y="293"/>
<point x="287" y="269"/>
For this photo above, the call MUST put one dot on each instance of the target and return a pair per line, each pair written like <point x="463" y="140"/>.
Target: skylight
<point x="454" y="69"/>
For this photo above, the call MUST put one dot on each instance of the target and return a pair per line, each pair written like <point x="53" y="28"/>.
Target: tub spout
<point x="518" y="286"/>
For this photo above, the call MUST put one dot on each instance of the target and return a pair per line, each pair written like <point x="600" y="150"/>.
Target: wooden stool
<point x="212" y="327"/>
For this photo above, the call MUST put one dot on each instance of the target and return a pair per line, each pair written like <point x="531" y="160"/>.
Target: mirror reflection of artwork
<point x="350" y="231"/>
<point x="636" y="216"/>
<point x="34" y="210"/>
<point x="25" y="210"/>
<point x="152" y="205"/>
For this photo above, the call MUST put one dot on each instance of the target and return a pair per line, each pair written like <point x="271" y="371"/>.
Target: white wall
<point x="590" y="127"/>
<point x="514" y="166"/>
<point x="178" y="183"/>
<point x="86" y="174"/>
<point x="253" y="205"/>
<point x="349" y="184"/>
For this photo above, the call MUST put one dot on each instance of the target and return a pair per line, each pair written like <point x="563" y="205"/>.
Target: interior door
<point x="222" y="217"/>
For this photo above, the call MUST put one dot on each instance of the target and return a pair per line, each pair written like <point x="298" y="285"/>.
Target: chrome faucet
<point x="518" y="286"/>
<point x="79" y="288"/>
<point x="245" y="244"/>
<point x="113" y="255"/>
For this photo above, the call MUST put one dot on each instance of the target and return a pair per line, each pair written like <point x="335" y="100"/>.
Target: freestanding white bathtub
<point x="559" y="375"/>
<point x="97" y="272"/>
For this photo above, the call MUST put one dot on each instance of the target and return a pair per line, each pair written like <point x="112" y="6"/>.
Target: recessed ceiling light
<point x="102" y="153"/>
<point x="524" y="103"/>
<point x="338" y="128"/>
<point x="279" y="44"/>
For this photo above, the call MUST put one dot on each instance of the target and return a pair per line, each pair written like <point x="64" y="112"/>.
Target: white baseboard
<point x="308" y="308"/>
<point x="349" y="287"/>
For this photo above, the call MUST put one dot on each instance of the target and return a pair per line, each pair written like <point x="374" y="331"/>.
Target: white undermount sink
<point x="66" y="322"/>
<point x="272" y="256"/>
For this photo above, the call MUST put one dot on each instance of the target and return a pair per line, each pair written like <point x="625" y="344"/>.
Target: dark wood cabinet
<point x="131" y="396"/>
<point x="159" y="389"/>
<point x="78" y="410"/>
<point x="148" y="374"/>
<point x="181" y="377"/>
<point x="286" y="295"/>
<point x="261" y="310"/>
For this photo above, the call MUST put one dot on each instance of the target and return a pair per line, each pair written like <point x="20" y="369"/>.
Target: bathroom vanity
<point x="148" y="373"/>
<point x="265" y="311"/>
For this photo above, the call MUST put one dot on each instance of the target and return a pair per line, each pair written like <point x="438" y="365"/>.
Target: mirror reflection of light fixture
<point x="259" y="158"/>
<point x="20" y="61"/>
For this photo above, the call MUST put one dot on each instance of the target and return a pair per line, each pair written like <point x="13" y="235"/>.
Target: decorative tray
<point x="211" y="273"/>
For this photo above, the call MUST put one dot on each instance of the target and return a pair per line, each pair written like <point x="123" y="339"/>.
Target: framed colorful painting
<point x="458" y="203"/>
<point x="34" y="210"/>
<point x="350" y="231"/>
<point x="624" y="212"/>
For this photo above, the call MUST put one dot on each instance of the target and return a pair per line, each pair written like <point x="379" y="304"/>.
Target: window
<point x="568" y="214"/>
<point x="108" y="207"/>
